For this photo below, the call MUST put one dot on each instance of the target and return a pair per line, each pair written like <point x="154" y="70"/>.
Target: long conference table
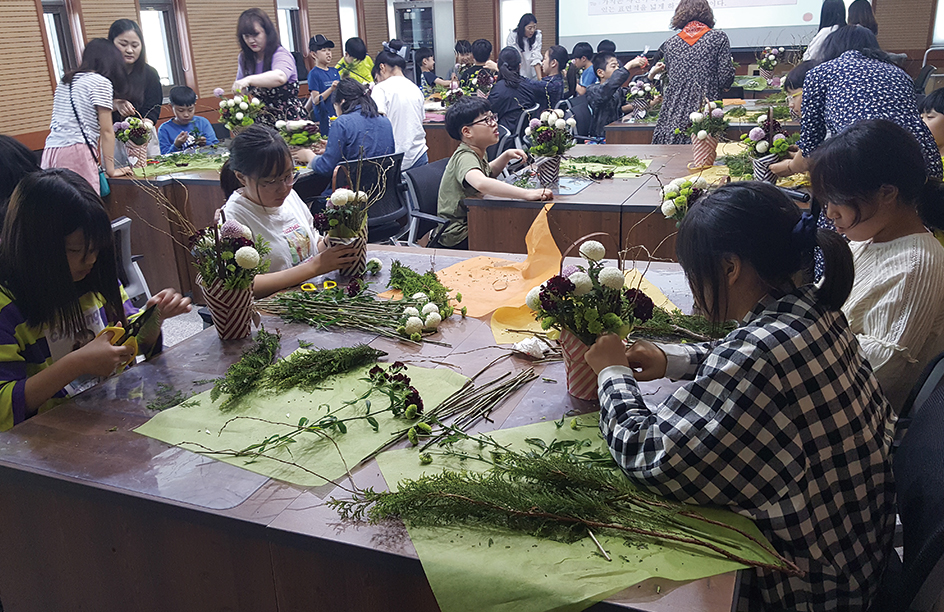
<point x="97" y="517"/>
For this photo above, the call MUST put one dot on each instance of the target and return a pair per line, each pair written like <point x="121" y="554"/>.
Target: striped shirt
<point x="91" y="90"/>
<point x="782" y="422"/>
<point x="26" y="350"/>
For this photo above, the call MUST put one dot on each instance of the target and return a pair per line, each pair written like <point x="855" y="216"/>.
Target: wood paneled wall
<point x="476" y="19"/>
<point x="903" y="25"/>
<point x="546" y="13"/>
<point x="212" y="25"/>
<point x="25" y="75"/>
<point x="98" y="15"/>
<point x="374" y="30"/>
<point x="323" y="19"/>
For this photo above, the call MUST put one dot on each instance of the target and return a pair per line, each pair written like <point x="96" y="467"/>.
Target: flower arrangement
<point x="641" y="90"/>
<point x="589" y="300"/>
<point x="551" y="133"/>
<point x="708" y="121"/>
<point x="482" y="83"/>
<point x="344" y="215"/>
<point x="769" y="58"/>
<point x="452" y="96"/>
<point x="301" y="133"/>
<point x="768" y="137"/>
<point x="229" y="253"/>
<point x="679" y="195"/>
<point x="238" y="111"/>
<point x="133" y="129"/>
<point x="425" y="318"/>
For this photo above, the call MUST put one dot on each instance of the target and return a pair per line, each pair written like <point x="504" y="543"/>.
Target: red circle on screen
<point x="807" y="16"/>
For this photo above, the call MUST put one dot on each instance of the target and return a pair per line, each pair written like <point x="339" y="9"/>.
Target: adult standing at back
<point x="526" y="38"/>
<point x="266" y="69"/>
<point x="831" y="17"/>
<point x="401" y="101"/>
<point x="143" y="93"/>
<point x="698" y="64"/>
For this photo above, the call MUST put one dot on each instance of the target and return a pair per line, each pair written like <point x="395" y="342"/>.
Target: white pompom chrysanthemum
<point x="668" y="208"/>
<point x="533" y="299"/>
<point x="582" y="283"/>
<point x="430" y="308"/>
<point x="247" y="258"/>
<point x="413" y="325"/>
<point x="341" y="197"/>
<point x="702" y="135"/>
<point x="433" y="320"/>
<point x="612" y="278"/>
<point x="592" y="250"/>
<point x="409" y="311"/>
<point x="420" y="297"/>
<point x="560" y="124"/>
<point x="700" y="183"/>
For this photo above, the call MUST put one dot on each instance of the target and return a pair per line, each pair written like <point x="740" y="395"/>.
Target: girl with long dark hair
<point x="58" y="292"/>
<point x="142" y="94"/>
<point x="512" y="93"/>
<point x="527" y="39"/>
<point x="267" y="70"/>
<point x="832" y="16"/>
<point x="81" y="115"/>
<point x="782" y="420"/>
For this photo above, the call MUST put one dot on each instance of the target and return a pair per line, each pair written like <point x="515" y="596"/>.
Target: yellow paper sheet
<point x="522" y="317"/>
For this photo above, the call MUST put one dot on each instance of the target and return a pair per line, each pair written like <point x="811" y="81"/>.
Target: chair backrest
<point x="919" y="479"/>
<point x="523" y="121"/>
<point x="128" y="271"/>
<point x="581" y="114"/>
<point x="504" y="142"/>
<point x="423" y="192"/>
<point x="378" y="173"/>
<point x="921" y="81"/>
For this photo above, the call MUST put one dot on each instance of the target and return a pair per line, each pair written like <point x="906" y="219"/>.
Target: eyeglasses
<point x="795" y="94"/>
<point x="288" y="181"/>
<point x="489" y="119"/>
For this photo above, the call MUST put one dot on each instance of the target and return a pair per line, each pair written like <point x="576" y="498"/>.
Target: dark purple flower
<point x="353" y="288"/>
<point x="413" y="397"/>
<point x="642" y="304"/>
<point x="559" y="286"/>
<point x="320" y="221"/>
<point x="375" y="372"/>
<point x="398" y="365"/>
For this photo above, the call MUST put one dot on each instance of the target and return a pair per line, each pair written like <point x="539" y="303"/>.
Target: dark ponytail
<point x="258" y="151"/>
<point x="757" y="223"/>
<point x="509" y="64"/>
<point x="851" y="167"/>
<point x="350" y="94"/>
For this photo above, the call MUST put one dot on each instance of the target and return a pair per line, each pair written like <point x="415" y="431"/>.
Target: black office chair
<point x="581" y="113"/>
<point x="523" y="120"/>
<point x="384" y="217"/>
<point x="422" y="186"/>
<point x="921" y="81"/>
<point x="220" y="131"/>
<point x="505" y="141"/>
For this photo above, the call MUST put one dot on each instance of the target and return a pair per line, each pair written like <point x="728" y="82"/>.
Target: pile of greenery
<point x="665" y="325"/>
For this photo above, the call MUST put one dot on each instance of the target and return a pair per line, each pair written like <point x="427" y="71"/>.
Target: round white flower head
<point x="611" y="277"/>
<point x="544" y="116"/>
<point x="237" y="99"/>
<point x="668" y="208"/>
<point x="413" y="325"/>
<point x="591" y="250"/>
<point x="647" y="87"/>
<point x="781" y="49"/>
<point x="361" y="196"/>
<point x="247" y="257"/>
<point x="582" y="283"/>
<point x="676" y="184"/>
<point x="560" y="124"/>
<point x="771" y="57"/>
<point x="409" y="311"/>
<point x="374" y="265"/>
<point x="571" y="122"/>
<point x="527" y="131"/>
<point x="533" y="299"/>
<point x="243" y="106"/>
<point x="256" y="101"/>
<point x="773" y="63"/>
<point x="763" y="146"/>
<point x="222" y="103"/>
<point x="420" y="297"/>
<point x="702" y="134"/>
<point x="239" y="116"/>
<point x="696" y="117"/>
<point x="668" y="189"/>
<point x="231" y="103"/>
<point x="761" y="119"/>
<point x="340" y="197"/>
<point x="700" y="183"/>
<point x="433" y="320"/>
<point x="430" y="307"/>
<point x="279" y="124"/>
<point x="559" y="112"/>
<point x="713" y="105"/>
<point x="707" y="110"/>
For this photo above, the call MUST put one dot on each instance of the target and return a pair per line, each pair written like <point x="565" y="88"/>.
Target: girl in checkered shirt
<point x="782" y="420"/>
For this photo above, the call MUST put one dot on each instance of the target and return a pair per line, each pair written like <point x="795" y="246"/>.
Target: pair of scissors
<point x="121" y="336"/>
<point x="311" y="287"/>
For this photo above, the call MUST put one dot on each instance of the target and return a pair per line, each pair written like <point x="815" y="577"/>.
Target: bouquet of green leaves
<point x="301" y="133"/>
<point x="705" y="122"/>
<point x="589" y="300"/>
<point x="228" y="252"/>
<point x="551" y="133"/>
<point x="238" y="111"/>
<point x="137" y="130"/>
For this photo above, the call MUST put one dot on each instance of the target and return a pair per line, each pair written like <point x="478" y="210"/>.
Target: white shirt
<point x="401" y="101"/>
<point x="815" y="49"/>
<point x="287" y="228"/>
<point x="529" y="58"/>
<point x="896" y="308"/>
<point x="91" y="90"/>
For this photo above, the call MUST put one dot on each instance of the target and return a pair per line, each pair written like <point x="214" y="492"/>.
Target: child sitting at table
<point x="424" y="57"/>
<point x="356" y="64"/>
<point x="185" y="129"/>
<point x="782" y="420"/>
<point x="58" y="293"/>
<point x="606" y="99"/>
<point x="873" y="182"/>
<point x="481" y="54"/>
<point x="580" y="60"/>
<point x="463" y="58"/>
<point x="267" y="205"/>
<point x="468" y="173"/>
<point x="555" y="59"/>
<point x="604" y="47"/>
<point x="932" y="113"/>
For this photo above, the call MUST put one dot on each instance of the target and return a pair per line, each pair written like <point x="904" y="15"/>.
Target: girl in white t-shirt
<point x="873" y="181"/>
<point x="266" y="203"/>
<point x="81" y="115"/>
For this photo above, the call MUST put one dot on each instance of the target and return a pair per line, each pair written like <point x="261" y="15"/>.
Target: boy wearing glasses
<point x="468" y="173"/>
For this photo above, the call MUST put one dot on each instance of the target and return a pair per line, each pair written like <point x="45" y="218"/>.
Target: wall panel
<point x="98" y="15"/>
<point x="212" y="25"/>
<point x="546" y="13"/>
<point x="904" y="25"/>
<point x="323" y="19"/>
<point x="476" y="19"/>
<point x="374" y="29"/>
<point x="26" y="79"/>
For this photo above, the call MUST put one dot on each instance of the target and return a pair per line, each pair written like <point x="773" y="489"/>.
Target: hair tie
<point x="803" y="235"/>
<point x="402" y="52"/>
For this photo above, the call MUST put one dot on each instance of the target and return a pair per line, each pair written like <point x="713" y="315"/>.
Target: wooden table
<point x="96" y="517"/>
<point x="627" y="209"/>
<point x="620" y="133"/>
<point x="441" y="144"/>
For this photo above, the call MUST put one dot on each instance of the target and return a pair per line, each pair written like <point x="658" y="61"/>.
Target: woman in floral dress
<point x="697" y="65"/>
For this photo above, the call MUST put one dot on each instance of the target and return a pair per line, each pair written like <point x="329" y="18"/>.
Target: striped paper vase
<point x="704" y="151"/>
<point x="137" y="154"/>
<point x="357" y="268"/>
<point x="768" y="75"/>
<point x="640" y="108"/>
<point x="549" y="170"/>
<point x="762" y="168"/>
<point x="231" y="309"/>
<point x="581" y="381"/>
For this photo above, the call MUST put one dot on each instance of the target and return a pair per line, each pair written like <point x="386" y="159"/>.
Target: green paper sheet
<point x="497" y="570"/>
<point x="201" y="423"/>
<point x="214" y="162"/>
<point x="619" y="171"/>
<point x="752" y="83"/>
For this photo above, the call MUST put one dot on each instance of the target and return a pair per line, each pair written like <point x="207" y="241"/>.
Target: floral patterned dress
<point x="695" y="71"/>
<point x="281" y="102"/>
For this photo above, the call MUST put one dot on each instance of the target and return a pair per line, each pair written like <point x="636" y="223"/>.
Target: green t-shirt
<point x="453" y="189"/>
